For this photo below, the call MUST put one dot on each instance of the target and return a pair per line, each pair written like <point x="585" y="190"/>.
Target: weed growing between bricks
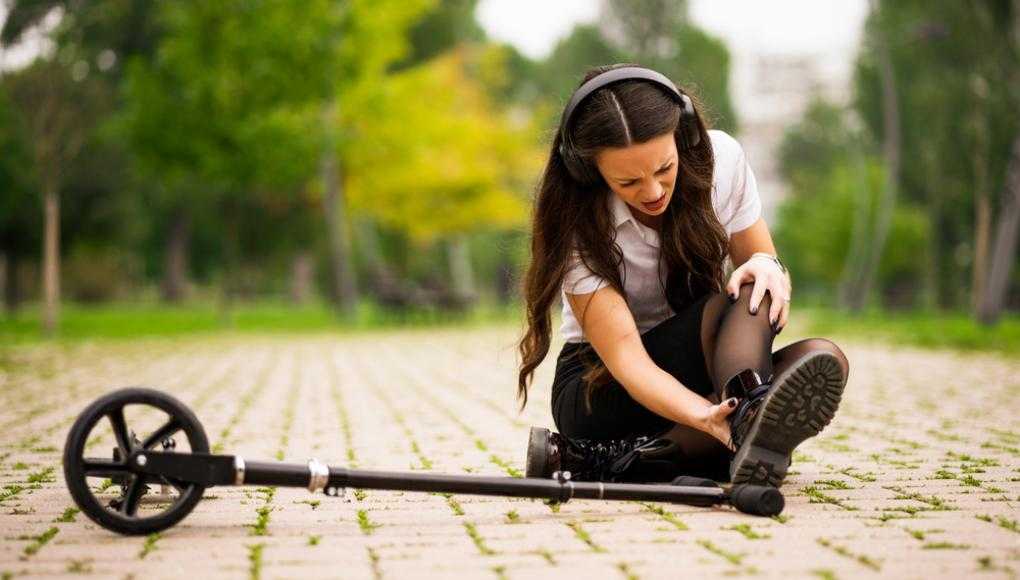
<point x="33" y="482"/>
<point x="149" y="545"/>
<point x="367" y="526"/>
<point x="261" y="525"/>
<point x="37" y="542"/>
<point x="345" y="421"/>
<point x="478" y="540"/>
<point x="288" y="421"/>
<point x="255" y="560"/>
<point x="80" y="566"/>
<point x="816" y="495"/>
<point x="665" y="515"/>
<point x="67" y="516"/>
<point x="584" y="536"/>
<point x="373" y="558"/>
<point x="846" y="553"/>
<point x="730" y="557"/>
<point x="746" y="531"/>
<point x="624" y="568"/>
<point x="1003" y="522"/>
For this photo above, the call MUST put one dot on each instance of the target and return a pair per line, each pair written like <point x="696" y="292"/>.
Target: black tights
<point x="733" y="340"/>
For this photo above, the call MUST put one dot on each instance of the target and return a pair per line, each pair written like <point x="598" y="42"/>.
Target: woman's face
<point x="643" y="175"/>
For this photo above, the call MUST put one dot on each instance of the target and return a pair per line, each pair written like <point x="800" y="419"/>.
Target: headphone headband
<point x="687" y="135"/>
<point x="614" y="76"/>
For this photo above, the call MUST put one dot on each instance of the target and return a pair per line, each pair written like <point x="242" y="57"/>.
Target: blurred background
<point x="188" y="166"/>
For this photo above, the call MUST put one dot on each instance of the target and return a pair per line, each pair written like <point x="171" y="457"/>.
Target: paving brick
<point x="919" y="475"/>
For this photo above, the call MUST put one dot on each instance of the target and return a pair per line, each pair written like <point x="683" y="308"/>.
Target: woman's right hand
<point x="713" y="421"/>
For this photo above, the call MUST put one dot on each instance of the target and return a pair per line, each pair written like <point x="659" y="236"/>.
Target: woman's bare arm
<point x="610" y="328"/>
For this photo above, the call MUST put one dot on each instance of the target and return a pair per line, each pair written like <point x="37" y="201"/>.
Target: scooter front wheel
<point x="113" y="492"/>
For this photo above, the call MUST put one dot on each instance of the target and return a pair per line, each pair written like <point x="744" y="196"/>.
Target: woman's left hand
<point x="766" y="275"/>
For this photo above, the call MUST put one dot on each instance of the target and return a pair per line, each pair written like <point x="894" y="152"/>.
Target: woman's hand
<point x="766" y="276"/>
<point x="712" y="420"/>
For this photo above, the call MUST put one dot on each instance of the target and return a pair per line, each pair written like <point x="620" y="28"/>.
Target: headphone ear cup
<point x="578" y="168"/>
<point x="689" y="135"/>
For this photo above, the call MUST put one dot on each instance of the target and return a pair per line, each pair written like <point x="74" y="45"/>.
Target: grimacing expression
<point x="642" y="173"/>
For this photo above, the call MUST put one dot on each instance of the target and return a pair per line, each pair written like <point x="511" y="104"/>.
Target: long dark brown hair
<point x="569" y="215"/>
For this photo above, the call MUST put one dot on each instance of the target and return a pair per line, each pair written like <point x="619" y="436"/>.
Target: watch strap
<point x="782" y="268"/>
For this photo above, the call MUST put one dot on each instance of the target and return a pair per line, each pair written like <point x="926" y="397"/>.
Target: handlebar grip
<point x="757" y="500"/>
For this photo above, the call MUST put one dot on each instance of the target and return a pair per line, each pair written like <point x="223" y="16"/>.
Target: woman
<point x="667" y="366"/>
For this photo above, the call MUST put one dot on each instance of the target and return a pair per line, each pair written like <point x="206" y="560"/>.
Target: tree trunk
<point x="891" y="155"/>
<point x="175" y="264"/>
<point x="231" y="269"/>
<point x="930" y="293"/>
<point x="51" y="258"/>
<point x="12" y="297"/>
<point x="982" y="205"/>
<point x="302" y="274"/>
<point x="505" y="287"/>
<point x="1003" y="253"/>
<point x="461" y="272"/>
<point x="343" y="289"/>
<point x="382" y="279"/>
<point x="850" y="277"/>
<point x="3" y="282"/>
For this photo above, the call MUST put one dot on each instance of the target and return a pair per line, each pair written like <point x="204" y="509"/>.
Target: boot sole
<point x="801" y="403"/>
<point x="538" y="453"/>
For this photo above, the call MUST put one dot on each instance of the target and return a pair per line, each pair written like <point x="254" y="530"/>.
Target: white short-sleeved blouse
<point x="736" y="203"/>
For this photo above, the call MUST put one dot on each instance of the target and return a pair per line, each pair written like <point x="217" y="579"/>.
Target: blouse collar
<point x="622" y="213"/>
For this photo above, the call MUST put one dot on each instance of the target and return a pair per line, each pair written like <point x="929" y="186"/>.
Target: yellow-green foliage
<point x="434" y="156"/>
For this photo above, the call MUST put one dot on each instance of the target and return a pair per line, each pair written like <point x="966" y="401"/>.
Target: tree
<point x="1004" y="248"/>
<point x="253" y="101"/>
<point x="56" y="114"/>
<point x="955" y="67"/>
<point x="18" y="204"/>
<point x="65" y="95"/>
<point x="891" y="152"/>
<point x="442" y="163"/>
<point x="836" y="184"/>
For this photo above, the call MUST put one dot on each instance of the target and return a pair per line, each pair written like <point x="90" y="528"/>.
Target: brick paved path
<point x="919" y="475"/>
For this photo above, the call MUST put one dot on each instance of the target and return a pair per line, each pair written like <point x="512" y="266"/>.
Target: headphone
<point x="582" y="170"/>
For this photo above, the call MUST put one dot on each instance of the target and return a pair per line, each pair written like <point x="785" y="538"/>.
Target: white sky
<point x="534" y="26"/>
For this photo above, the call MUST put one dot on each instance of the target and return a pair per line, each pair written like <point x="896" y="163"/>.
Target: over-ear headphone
<point x="584" y="171"/>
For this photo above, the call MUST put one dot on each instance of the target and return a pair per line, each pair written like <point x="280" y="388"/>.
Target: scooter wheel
<point x="130" y="508"/>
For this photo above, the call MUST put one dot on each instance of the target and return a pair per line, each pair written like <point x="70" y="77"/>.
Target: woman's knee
<point x="744" y="299"/>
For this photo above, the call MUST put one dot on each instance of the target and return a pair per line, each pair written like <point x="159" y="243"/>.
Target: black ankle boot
<point x="775" y="416"/>
<point x="637" y="459"/>
<point x="750" y="390"/>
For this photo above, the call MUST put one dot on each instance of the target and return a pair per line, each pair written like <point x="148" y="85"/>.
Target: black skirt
<point x="674" y="345"/>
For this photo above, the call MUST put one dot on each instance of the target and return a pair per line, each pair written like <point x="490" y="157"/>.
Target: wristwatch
<point x="775" y="259"/>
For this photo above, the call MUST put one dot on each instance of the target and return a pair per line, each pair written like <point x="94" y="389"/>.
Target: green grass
<point x="949" y="329"/>
<point x="130" y="320"/>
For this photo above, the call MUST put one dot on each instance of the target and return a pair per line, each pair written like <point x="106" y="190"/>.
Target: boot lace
<point x="602" y="457"/>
